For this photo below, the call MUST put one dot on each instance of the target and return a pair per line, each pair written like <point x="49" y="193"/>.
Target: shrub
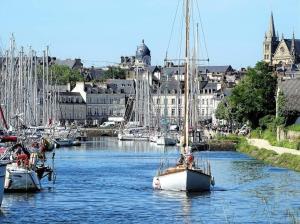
<point x="265" y="121"/>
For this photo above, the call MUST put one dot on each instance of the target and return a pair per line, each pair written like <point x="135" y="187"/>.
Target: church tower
<point x="271" y="42"/>
<point x="293" y="49"/>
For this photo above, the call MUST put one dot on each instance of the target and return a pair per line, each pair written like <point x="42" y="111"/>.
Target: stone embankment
<point x="96" y="132"/>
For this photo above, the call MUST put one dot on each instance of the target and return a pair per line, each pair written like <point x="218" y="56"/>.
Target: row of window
<point x="173" y="101"/>
<point x="70" y="100"/>
<point x="103" y="111"/>
<point x="66" y="115"/>
<point x="103" y="101"/>
<point x="125" y="85"/>
<point x="207" y="91"/>
<point x="202" y="112"/>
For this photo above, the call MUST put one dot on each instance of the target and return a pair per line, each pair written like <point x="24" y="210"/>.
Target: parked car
<point x="108" y="124"/>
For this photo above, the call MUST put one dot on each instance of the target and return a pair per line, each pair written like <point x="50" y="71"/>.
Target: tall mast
<point x="43" y="94"/>
<point x="186" y="82"/>
<point x="47" y="85"/>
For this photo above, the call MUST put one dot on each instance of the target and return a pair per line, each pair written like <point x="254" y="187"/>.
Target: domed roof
<point x="142" y="51"/>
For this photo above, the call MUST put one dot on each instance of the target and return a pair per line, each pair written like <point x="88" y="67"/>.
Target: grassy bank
<point x="285" y="160"/>
<point x="271" y="137"/>
<point x="294" y="127"/>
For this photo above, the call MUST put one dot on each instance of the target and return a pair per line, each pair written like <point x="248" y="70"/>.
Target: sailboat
<point x="3" y="164"/>
<point x="186" y="175"/>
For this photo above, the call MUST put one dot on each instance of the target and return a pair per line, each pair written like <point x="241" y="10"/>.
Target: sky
<point x="100" y="31"/>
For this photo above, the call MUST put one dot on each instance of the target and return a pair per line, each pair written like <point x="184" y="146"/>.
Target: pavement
<point x="261" y="143"/>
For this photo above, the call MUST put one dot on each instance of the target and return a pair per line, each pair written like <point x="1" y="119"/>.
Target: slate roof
<point x="176" y="70"/>
<point x="289" y="44"/>
<point x="153" y="69"/>
<point x="172" y="86"/>
<point x="215" y="69"/>
<point x="94" y="89"/>
<point x="142" y="51"/>
<point x="291" y="91"/>
<point x="208" y="85"/>
<point x="69" y="94"/>
<point x="68" y="62"/>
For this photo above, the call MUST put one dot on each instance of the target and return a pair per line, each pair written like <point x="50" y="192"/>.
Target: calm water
<point x="110" y="182"/>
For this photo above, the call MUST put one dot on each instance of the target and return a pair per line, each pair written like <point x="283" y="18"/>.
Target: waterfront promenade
<point x="261" y="143"/>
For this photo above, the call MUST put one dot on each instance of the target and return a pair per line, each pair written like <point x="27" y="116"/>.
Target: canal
<point x="107" y="181"/>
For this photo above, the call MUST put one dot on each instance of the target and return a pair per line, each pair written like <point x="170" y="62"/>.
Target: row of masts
<point x="28" y="93"/>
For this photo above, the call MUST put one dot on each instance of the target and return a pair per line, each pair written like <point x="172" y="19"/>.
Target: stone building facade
<point x="168" y="102"/>
<point x="72" y="107"/>
<point x="278" y="53"/>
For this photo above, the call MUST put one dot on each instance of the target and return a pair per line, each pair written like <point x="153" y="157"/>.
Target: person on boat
<point x="22" y="155"/>
<point x="180" y="160"/>
<point x="43" y="149"/>
<point x="190" y="160"/>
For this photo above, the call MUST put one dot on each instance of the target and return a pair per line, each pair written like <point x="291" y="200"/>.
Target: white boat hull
<point x="64" y="142"/>
<point x="2" y="179"/>
<point x="166" y="141"/>
<point x="130" y="137"/>
<point x="21" y="179"/>
<point x="184" y="180"/>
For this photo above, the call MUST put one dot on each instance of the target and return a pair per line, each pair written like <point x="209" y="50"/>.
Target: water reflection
<point x="184" y="200"/>
<point x="106" y="143"/>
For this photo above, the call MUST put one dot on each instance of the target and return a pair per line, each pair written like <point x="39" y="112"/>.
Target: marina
<point x="170" y="132"/>
<point x="109" y="181"/>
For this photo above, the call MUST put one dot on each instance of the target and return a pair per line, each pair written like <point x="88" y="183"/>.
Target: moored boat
<point x="3" y="165"/>
<point x="26" y="169"/>
<point x="21" y="179"/>
<point x="165" y="140"/>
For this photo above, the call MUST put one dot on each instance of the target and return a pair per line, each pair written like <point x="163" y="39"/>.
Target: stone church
<point x="278" y="53"/>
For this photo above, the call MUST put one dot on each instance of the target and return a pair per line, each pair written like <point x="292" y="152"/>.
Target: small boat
<point x="76" y="143"/>
<point x="166" y="140"/>
<point x="3" y="165"/>
<point x="182" y="178"/>
<point x="26" y="169"/>
<point x="21" y="179"/>
<point x="185" y="175"/>
<point x="134" y="134"/>
<point x="63" y="142"/>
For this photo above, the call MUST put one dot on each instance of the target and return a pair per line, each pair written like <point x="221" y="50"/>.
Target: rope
<point x="173" y="24"/>
<point x="202" y="29"/>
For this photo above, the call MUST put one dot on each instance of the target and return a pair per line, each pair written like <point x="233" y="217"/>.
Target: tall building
<point x="271" y="42"/>
<point x="142" y="58"/>
<point x="280" y="53"/>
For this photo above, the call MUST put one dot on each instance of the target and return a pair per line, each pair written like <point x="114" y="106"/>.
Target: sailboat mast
<point x="186" y="81"/>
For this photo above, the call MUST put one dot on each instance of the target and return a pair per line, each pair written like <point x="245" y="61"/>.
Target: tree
<point x="222" y="111"/>
<point x="62" y="75"/>
<point x="113" y="73"/>
<point x="254" y="96"/>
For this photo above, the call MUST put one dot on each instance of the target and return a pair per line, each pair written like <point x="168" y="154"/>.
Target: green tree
<point x="62" y="75"/>
<point x="254" y="96"/>
<point x="222" y="111"/>
<point x="112" y="73"/>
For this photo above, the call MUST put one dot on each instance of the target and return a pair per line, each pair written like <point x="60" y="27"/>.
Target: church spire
<point x="271" y="32"/>
<point x="293" y="50"/>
